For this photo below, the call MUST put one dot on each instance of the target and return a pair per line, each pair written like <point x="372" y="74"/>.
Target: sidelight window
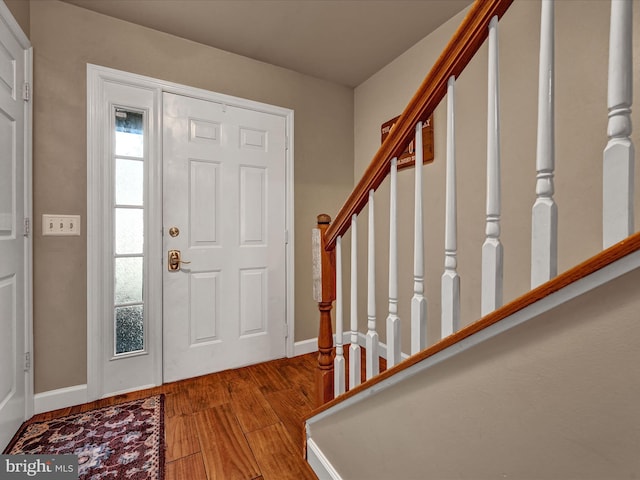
<point x="128" y="217"/>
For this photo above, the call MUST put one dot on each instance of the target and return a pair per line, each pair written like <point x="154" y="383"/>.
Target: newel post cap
<point x="324" y="219"/>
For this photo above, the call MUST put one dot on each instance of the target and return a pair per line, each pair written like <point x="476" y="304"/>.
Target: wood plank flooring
<point x="243" y="424"/>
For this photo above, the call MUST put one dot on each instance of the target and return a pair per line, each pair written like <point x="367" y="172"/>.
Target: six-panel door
<point x="224" y="195"/>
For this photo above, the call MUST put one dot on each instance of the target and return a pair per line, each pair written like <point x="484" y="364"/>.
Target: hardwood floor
<point x="233" y="425"/>
<point x="243" y="424"/>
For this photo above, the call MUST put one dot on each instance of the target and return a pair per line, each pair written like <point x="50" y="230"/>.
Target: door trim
<point x="97" y="76"/>
<point x="7" y="18"/>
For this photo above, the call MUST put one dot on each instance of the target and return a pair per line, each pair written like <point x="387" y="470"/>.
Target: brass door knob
<point x="174" y="260"/>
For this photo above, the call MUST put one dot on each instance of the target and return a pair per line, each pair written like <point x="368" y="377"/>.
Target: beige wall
<point x="20" y="11"/>
<point x="581" y="121"/>
<point x="65" y="39"/>
<point x="549" y="399"/>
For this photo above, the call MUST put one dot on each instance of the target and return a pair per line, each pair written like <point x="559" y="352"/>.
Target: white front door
<point x="13" y="244"/>
<point x="224" y="212"/>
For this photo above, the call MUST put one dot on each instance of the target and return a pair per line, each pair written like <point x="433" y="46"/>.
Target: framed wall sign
<point x="408" y="158"/>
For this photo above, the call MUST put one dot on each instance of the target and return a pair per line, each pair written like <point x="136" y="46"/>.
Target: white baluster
<point x="338" y="362"/>
<point x="354" y="348"/>
<point x="393" y="322"/>
<point x="418" y="302"/>
<point x="544" y="222"/>
<point x="371" y="343"/>
<point x="450" y="278"/>
<point x="618" y="168"/>
<point x="492" y="248"/>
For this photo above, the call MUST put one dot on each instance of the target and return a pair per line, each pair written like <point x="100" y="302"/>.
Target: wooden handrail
<point x="597" y="262"/>
<point x="458" y="53"/>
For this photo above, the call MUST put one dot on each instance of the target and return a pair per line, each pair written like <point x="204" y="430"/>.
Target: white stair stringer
<point x="319" y="463"/>
<point x="322" y="454"/>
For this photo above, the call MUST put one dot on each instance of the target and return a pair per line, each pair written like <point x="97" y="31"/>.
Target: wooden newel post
<point x="324" y="292"/>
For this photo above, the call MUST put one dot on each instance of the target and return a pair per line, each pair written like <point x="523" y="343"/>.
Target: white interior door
<point x="13" y="244"/>
<point x="224" y="211"/>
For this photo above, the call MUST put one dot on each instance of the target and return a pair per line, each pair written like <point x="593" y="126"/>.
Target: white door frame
<point x="97" y="76"/>
<point x="7" y="18"/>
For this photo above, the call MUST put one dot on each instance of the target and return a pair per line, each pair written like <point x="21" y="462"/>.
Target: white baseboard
<point x="319" y="463"/>
<point x="76" y="395"/>
<point x="60" y="398"/>
<point x="382" y="347"/>
<point x="129" y="390"/>
<point x="311" y="345"/>
<point x="305" y="346"/>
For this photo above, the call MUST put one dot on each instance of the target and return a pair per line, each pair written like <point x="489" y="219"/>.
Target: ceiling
<point x="343" y="41"/>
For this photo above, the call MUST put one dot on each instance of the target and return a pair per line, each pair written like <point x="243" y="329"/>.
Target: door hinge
<point x="27" y="227"/>
<point x="286" y="331"/>
<point x="286" y="237"/>
<point x="26" y="92"/>
<point x="27" y="361"/>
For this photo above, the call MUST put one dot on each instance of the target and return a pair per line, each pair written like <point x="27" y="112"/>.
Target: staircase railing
<point x="480" y="23"/>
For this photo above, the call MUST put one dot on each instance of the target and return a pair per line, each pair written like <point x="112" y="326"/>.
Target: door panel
<point x="12" y="242"/>
<point x="204" y="202"/>
<point x="252" y="205"/>
<point x="204" y="315"/>
<point x="224" y="189"/>
<point x="8" y="345"/>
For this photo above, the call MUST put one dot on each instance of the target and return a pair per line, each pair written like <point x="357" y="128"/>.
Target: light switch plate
<point x="61" y="225"/>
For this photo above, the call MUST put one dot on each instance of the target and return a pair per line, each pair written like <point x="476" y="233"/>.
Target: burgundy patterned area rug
<point x="123" y="441"/>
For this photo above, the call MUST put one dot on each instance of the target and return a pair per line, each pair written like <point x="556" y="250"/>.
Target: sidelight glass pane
<point x="129" y="329"/>
<point x="129" y="133"/>
<point x="129" y="230"/>
<point x="129" y="182"/>
<point x="129" y="277"/>
<point x="128" y="188"/>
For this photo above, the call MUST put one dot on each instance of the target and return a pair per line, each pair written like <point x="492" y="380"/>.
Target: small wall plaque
<point x="408" y="157"/>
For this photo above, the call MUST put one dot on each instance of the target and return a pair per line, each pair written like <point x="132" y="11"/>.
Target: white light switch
<point x="60" y="225"/>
